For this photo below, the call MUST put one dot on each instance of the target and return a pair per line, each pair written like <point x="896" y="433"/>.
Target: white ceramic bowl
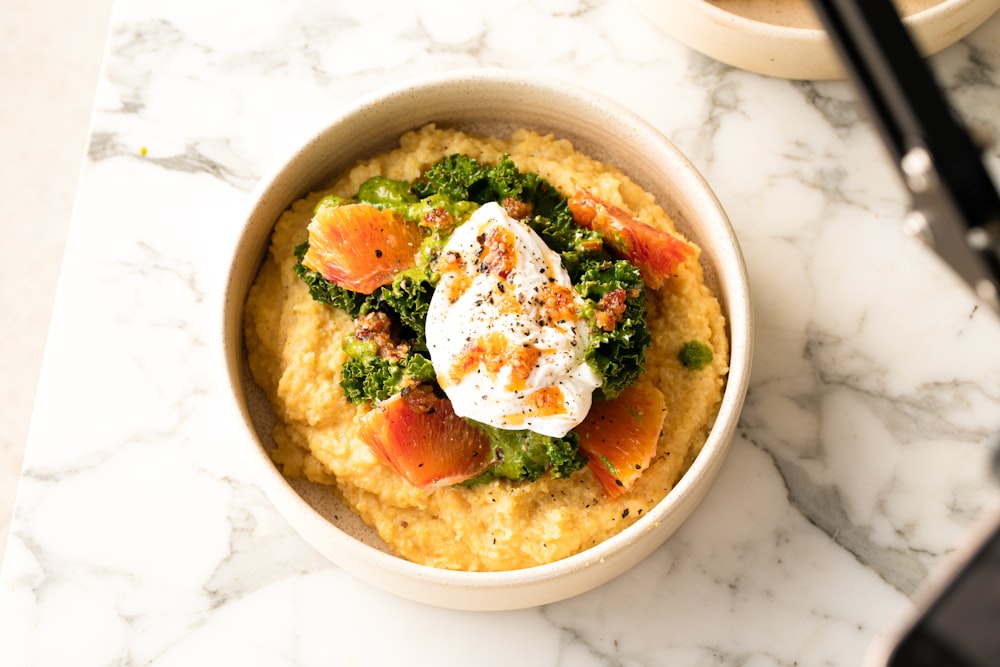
<point x="489" y="103"/>
<point x="783" y="38"/>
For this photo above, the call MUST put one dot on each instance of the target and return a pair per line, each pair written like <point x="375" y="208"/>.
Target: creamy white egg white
<point x="505" y="331"/>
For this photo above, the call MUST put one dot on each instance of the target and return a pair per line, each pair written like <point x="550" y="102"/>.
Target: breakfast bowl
<point x="784" y="38"/>
<point x="328" y="514"/>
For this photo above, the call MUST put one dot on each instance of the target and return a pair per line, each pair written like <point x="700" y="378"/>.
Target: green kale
<point x="406" y="300"/>
<point x="576" y="245"/>
<point x="457" y="177"/>
<point x="695" y="355"/>
<point x="368" y="378"/>
<point x="325" y="291"/>
<point x="507" y="181"/>
<point x="462" y="178"/>
<point x="617" y="356"/>
<point x="466" y="184"/>
<point x="524" y="456"/>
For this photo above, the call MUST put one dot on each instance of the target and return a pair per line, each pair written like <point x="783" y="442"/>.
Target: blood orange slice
<point x="619" y="436"/>
<point x="421" y="437"/>
<point x="361" y="247"/>
<point x="657" y="253"/>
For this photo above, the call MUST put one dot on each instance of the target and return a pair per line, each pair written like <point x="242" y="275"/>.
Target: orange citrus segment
<point x="420" y="436"/>
<point x="657" y="253"/>
<point x="361" y="247"/>
<point x="619" y="436"/>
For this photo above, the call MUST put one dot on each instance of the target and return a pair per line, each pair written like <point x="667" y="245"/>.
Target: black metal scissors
<point x="955" y="205"/>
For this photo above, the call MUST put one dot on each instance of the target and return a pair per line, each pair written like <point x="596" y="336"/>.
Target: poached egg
<point x="505" y="331"/>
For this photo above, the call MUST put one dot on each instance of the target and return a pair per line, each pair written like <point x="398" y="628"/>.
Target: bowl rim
<point x="716" y="12"/>
<point x="737" y="308"/>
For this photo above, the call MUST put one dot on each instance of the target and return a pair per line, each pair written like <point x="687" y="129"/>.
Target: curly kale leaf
<point x="462" y="178"/>
<point x="560" y="232"/>
<point x="619" y="355"/>
<point x="325" y="291"/>
<point x="407" y="298"/>
<point x="575" y="244"/>
<point x="368" y="378"/>
<point x="457" y="177"/>
<point x="524" y="456"/>
<point x="506" y="180"/>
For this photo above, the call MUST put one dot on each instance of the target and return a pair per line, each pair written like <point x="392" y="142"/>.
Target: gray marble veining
<point x="862" y="457"/>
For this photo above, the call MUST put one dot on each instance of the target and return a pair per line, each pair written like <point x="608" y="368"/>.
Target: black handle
<point x="952" y="194"/>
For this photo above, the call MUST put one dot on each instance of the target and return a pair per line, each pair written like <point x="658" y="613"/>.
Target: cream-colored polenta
<point x="295" y="355"/>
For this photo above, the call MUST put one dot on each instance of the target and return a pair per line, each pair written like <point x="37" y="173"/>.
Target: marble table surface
<point x="863" y="453"/>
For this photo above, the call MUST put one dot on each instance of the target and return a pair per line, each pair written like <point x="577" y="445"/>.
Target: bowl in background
<point x="492" y="103"/>
<point x="783" y="38"/>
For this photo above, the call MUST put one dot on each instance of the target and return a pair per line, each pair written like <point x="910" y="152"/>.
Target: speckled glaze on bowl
<point x="490" y="103"/>
<point x="783" y="38"/>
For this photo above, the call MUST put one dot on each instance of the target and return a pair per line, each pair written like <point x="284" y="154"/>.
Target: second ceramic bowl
<point x="783" y="38"/>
